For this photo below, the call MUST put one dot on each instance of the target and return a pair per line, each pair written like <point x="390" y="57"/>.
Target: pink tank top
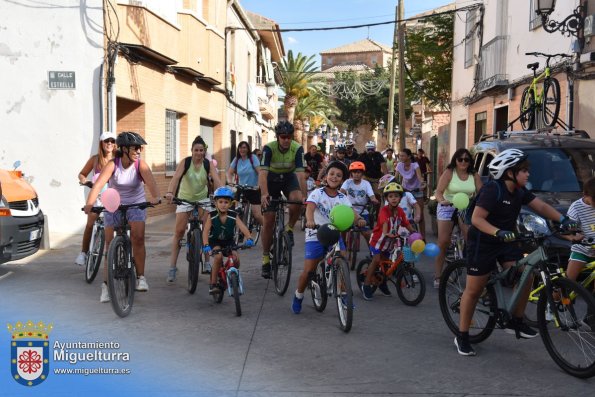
<point x="128" y="183"/>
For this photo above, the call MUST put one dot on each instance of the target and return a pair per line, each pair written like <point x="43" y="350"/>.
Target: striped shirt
<point x="585" y="215"/>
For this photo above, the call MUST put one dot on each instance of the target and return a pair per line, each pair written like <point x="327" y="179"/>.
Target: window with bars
<point x="171" y="141"/>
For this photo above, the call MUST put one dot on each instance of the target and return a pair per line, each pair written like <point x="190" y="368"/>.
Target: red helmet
<point x="357" y="165"/>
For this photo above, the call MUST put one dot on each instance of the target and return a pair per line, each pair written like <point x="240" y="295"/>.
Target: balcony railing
<point x="492" y="72"/>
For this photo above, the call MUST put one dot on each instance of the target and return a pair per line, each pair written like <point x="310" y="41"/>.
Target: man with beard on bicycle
<point x="281" y="170"/>
<point x="375" y="166"/>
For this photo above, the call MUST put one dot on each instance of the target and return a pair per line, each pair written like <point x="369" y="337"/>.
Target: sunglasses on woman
<point x="109" y="140"/>
<point x="463" y="159"/>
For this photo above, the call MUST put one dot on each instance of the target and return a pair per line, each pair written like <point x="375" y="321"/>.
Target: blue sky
<point x="325" y="13"/>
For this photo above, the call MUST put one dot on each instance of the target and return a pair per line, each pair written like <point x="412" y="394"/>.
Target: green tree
<point x="429" y="52"/>
<point x="298" y="76"/>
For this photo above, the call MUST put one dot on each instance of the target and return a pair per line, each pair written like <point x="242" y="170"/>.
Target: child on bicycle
<point x="359" y="192"/>
<point x="408" y="203"/>
<point x="582" y="211"/>
<point x="318" y="207"/>
<point x="219" y="231"/>
<point x="390" y="218"/>
<point x="497" y="207"/>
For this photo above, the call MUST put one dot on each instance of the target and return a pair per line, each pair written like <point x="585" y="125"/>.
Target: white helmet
<point x="349" y="143"/>
<point x="505" y="160"/>
<point x="340" y="146"/>
<point x="107" y="135"/>
<point x="370" y="145"/>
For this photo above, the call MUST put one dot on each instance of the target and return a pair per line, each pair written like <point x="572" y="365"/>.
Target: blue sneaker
<point x="367" y="292"/>
<point x="296" y="305"/>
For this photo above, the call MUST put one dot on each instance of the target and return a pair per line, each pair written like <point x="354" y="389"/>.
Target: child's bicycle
<point x="229" y="278"/>
<point x="332" y="278"/>
<point x="400" y="271"/>
<point x="586" y="278"/>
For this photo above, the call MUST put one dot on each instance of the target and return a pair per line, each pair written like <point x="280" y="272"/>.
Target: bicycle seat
<point x="533" y="66"/>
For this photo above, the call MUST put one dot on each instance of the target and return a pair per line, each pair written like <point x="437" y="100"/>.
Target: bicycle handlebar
<point x="89" y="184"/>
<point x="97" y="210"/>
<point x="200" y="203"/>
<point x="229" y="249"/>
<point x="243" y="187"/>
<point x="541" y="54"/>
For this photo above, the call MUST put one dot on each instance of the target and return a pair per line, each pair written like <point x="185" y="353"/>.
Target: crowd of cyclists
<point x="392" y="188"/>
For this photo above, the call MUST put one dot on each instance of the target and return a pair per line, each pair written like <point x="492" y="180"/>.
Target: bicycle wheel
<point x="527" y="118"/>
<point x="95" y="255"/>
<point x="550" y="107"/>
<point x="121" y="280"/>
<point x="234" y="282"/>
<point x="282" y="264"/>
<point x="452" y="285"/>
<point x="218" y="296"/>
<point x="353" y="248"/>
<point x="410" y="284"/>
<point x="344" y="294"/>
<point x="569" y="336"/>
<point x="317" y="285"/>
<point x="195" y="262"/>
<point x="362" y="271"/>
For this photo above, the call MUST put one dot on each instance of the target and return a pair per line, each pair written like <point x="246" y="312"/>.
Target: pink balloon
<point x="110" y="199"/>
<point x="214" y="162"/>
<point x="413" y="237"/>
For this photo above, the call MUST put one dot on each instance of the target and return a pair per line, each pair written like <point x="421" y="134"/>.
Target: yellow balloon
<point x="418" y="246"/>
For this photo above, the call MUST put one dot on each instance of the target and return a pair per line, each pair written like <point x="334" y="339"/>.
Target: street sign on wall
<point x="58" y="80"/>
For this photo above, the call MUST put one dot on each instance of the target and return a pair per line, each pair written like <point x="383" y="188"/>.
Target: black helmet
<point x="337" y="164"/>
<point x="328" y="234"/>
<point x="129" y="138"/>
<point x="284" y="128"/>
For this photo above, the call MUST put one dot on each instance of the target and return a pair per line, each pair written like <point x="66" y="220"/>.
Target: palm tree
<point x="297" y="74"/>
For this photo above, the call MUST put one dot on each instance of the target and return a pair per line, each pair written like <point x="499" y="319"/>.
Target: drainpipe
<point x="111" y="92"/>
<point x="101" y="111"/>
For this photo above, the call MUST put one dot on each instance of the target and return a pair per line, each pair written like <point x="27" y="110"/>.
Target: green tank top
<point x="222" y="231"/>
<point x="273" y="160"/>
<point x="456" y="185"/>
<point x="193" y="186"/>
<point x="390" y="166"/>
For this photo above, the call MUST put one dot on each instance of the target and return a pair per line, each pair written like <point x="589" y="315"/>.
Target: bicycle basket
<point x="408" y="255"/>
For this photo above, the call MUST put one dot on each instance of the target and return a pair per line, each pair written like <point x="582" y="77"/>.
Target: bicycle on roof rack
<point x="541" y="96"/>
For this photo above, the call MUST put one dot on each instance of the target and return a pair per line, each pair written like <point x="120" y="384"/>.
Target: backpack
<point x="471" y="206"/>
<point x="117" y="162"/>
<point x="187" y="161"/>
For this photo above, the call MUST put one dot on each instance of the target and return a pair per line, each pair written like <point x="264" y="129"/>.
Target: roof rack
<point x="548" y="131"/>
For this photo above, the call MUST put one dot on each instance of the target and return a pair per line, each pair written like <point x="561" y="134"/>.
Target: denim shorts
<point x="315" y="250"/>
<point x="112" y="219"/>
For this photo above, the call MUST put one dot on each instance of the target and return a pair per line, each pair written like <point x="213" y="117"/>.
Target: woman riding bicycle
<point x="105" y="153"/>
<point x="190" y="183"/>
<point x="459" y="177"/>
<point x="494" y="218"/>
<point x="245" y="166"/>
<point x="126" y="174"/>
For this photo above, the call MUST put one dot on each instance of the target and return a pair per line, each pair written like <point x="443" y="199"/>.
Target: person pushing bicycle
<point x="281" y="170"/>
<point x="493" y="220"/>
<point x="219" y="230"/>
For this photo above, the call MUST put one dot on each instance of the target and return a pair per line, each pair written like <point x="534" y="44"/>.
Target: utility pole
<point x="401" y="34"/>
<point x="393" y="72"/>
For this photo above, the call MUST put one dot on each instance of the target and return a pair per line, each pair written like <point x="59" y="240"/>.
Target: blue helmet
<point x="223" y="191"/>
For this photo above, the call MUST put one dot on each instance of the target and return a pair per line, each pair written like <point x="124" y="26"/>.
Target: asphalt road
<point x="186" y="345"/>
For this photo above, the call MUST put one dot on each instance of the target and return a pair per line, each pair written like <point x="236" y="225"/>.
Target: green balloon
<point x="342" y="217"/>
<point x="460" y="201"/>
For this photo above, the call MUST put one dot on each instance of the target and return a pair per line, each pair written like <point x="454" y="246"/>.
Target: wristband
<point x="496" y="232"/>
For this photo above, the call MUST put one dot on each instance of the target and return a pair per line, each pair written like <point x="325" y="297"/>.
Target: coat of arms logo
<point x="29" y="352"/>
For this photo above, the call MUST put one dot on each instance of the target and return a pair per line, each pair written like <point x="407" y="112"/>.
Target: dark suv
<point x="560" y="163"/>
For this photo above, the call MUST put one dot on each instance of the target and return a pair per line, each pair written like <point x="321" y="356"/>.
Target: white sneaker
<point x="81" y="260"/>
<point x="104" y="293"/>
<point x="171" y="274"/>
<point x="436" y="283"/>
<point x="141" y="284"/>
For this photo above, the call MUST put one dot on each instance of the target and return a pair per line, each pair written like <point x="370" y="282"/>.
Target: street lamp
<point x="571" y="25"/>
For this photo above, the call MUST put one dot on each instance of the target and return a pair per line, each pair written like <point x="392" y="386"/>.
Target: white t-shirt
<point x="585" y="214"/>
<point x="324" y="204"/>
<point x="358" y="194"/>
<point x="407" y="204"/>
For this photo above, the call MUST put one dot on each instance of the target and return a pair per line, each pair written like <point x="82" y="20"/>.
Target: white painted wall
<point x="52" y="132"/>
